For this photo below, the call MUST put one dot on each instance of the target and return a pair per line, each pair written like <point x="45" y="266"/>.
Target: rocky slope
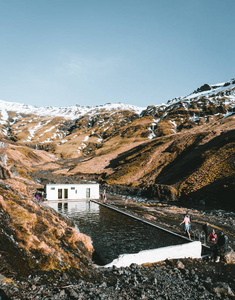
<point x="34" y="237"/>
<point x="182" y="150"/>
<point x="84" y="130"/>
<point x="179" y="279"/>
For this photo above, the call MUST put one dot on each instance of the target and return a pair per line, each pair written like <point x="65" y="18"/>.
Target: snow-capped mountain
<point x="183" y="149"/>
<point x="206" y="100"/>
<point x="88" y="128"/>
<point x="70" y="112"/>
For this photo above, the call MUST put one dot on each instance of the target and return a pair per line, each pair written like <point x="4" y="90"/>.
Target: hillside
<point x="182" y="150"/>
<point x="34" y="237"/>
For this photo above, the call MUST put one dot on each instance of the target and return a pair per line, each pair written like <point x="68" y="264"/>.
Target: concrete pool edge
<point x="141" y="219"/>
<point x="203" y="246"/>
<point x="188" y="250"/>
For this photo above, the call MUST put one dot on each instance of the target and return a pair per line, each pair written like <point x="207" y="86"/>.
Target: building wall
<point x="72" y="191"/>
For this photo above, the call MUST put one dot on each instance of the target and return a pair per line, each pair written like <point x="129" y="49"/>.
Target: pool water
<point x="113" y="233"/>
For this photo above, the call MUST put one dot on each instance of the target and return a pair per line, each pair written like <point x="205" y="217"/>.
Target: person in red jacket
<point x="213" y="236"/>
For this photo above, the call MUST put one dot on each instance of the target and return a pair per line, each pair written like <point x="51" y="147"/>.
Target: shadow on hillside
<point x="122" y="158"/>
<point x="191" y="158"/>
<point x="217" y="195"/>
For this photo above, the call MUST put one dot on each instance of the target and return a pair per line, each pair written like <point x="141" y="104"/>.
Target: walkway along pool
<point x="114" y="233"/>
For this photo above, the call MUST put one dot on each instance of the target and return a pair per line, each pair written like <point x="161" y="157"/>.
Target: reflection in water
<point x="66" y="207"/>
<point x="113" y="233"/>
<point x="60" y="207"/>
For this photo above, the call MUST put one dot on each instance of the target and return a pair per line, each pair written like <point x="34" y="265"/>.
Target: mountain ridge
<point x="75" y="111"/>
<point x="120" y="145"/>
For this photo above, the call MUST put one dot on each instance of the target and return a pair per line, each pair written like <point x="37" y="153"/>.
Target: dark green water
<point x="113" y="233"/>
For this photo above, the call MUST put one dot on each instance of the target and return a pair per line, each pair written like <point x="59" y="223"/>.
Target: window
<point x="88" y="192"/>
<point x="52" y="188"/>
<point x="72" y="188"/>
<point x="59" y="193"/>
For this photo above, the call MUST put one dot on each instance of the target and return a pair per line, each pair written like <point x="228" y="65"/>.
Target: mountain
<point x="181" y="150"/>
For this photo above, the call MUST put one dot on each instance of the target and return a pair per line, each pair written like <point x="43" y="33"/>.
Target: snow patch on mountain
<point x="215" y="88"/>
<point x="33" y="130"/>
<point x="227" y="87"/>
<point x="4" y="115"/>
<point x="71" y="112"/>
<point x="152" y="134"/>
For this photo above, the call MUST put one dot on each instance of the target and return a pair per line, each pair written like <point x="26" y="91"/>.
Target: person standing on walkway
<point x="186" y="223"/>
<point x="104" y="196"/>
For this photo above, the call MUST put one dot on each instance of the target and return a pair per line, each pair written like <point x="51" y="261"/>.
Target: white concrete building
<point x="72" y="191"/>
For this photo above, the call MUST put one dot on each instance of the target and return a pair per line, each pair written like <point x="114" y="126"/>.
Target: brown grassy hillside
<point x="34" y="237"/>
<point x="181" y="150"/>
<point x="198" y="164"/>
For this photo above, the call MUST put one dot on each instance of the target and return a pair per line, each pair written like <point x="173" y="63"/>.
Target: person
<point x="189" y="217"/>
<point x="214" y="252"/>
<point x="186" y="222"/>
<point x="205" y="228"/>
<point x="126" y="202"/>
<point x="213" y="236"/>
<point x="104" y="196"/>
<point x="222" y="246"/>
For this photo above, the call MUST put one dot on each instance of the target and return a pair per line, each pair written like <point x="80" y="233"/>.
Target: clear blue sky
<point x="91" y="52"/>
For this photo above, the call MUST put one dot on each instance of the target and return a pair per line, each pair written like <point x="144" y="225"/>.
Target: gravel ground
<point x="174" y="279"/>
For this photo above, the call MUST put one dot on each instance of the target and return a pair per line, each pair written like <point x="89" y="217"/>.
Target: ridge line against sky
<point x="68" y="52"/>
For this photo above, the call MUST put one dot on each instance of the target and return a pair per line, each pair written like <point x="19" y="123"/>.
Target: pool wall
<point x="189" y="250"/>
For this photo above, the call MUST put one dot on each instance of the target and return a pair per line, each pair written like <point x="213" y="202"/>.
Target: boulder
<point x="230" y="257"/>
<point x="180" y="265"/>
<point x="223" y="289"/>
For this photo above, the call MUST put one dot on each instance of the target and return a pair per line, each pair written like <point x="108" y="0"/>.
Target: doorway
<point x="65" y="193"/>
<point x="88" y="193"/>
<point x="59" y="193"/>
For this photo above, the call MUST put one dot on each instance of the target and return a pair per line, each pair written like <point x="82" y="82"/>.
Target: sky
<point x="92" y="52"/>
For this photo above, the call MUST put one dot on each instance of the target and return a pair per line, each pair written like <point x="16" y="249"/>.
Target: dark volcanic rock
<point x="203" y="88"/>
<point x="197" y="280"/>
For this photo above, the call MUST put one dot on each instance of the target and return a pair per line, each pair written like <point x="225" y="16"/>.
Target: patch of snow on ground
<point x="47" y="130"/>
<point x="152" y="134"/>
<point x="4" y="116"/>
<point x="63" y="141"/>
<point x="46" y="141"/>
<point x="173" y="123"/>
<point x="33" y="130"/>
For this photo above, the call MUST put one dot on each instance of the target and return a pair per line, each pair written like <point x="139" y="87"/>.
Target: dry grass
<point x="50" y="243"/>
<point x="218" y="165"/>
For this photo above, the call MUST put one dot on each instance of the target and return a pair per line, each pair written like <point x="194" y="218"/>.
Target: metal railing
<point x="199" y="236"/>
